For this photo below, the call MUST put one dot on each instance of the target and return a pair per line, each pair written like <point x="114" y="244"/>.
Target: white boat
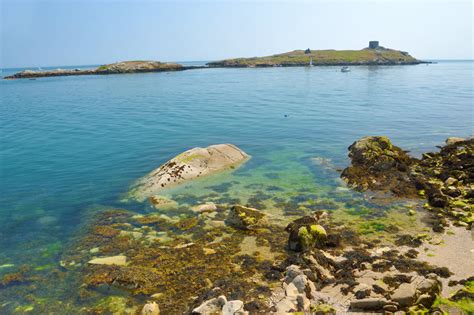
<point x="311" y="62"/>
<point x="345" y="69"/>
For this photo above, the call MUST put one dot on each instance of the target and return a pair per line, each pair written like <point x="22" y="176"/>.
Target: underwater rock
<point x="246" y="218"/>
<point x="379" y="165"/>
<point x="119" y="260"/>
<point x="151" y="308"/>
<point x="191" y="164"/>
<point x="305" y="233"/>
<point x="161" y="201"/>
<point x="207" y="207"/>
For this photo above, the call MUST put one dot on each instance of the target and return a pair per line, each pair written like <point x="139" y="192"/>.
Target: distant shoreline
<point x="378" y="56"/>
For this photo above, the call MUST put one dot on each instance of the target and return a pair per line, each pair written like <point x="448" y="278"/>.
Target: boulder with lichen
<point x="189" y="165"/>
<point x="305" y="233"/>
<point x="246" y="218"/>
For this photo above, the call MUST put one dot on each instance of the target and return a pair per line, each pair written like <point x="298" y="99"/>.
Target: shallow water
<point x="71" y="146"/>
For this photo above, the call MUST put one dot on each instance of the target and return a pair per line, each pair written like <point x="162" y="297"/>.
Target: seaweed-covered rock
<point x="379" y="165"/>
<point x="191" y="164"/>
<point x="246" y="218"/>
<point x="305" y="233"/>
<point x="151" y="308"/>
<point x="444" y="178"/>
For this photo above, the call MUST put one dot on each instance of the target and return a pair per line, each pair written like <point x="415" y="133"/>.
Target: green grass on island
<point x="366" y="56"/>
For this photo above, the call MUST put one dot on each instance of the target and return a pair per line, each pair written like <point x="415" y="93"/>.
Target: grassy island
<point x="366" y="56"/>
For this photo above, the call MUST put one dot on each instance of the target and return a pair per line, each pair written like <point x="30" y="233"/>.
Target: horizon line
<point x="182" y="61"/>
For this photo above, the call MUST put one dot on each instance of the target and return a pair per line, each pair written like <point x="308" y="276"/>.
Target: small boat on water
<point x="345" y="69"/>
<point x="311" y="62"/>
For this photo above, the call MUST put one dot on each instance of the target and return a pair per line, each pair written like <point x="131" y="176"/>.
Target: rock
<point x="454" y="140"/>
<point x="291" y="290"/>
<point x="430" y="286"/>
<point x="94" y="250"/>
<point x="379" y="165"/>
<point x="450" y="181"/>
<point x="390" y="308"/>
<point x="368" y="304"/>
<point x="405" y="295"/>
<point x="189" y="165"/>
<point x="235" y="307"/>
<point x="119" y="260"/>
<point x="207" y="207"/>
<point x="302" y="302"/>
<point x="211" y="306"/>
<point x="362" y="291"/>
<point x="151" y="308"/>
<point x="161" y="201"/>
<point x="305" y="233"/>
<point x="246" y="218"/>
<point x="291" y="272"/>
<point x="285" y="306"/>
<point x="300" y="283"/>
<point x="426" y="300"/>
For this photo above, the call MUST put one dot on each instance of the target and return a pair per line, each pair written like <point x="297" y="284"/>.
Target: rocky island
<point x="114" y="68"/>
<point x="372" y="55"/>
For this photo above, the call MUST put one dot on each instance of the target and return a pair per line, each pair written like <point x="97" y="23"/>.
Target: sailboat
<point x="311" y="62"/>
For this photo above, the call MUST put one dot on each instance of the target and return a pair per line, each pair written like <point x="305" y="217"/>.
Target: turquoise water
<point x="71" y="146"/>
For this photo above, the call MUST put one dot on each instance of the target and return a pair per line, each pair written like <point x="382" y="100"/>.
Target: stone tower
<point x="374" y="44"/>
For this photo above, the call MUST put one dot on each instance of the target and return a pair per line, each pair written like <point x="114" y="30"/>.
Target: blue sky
<point x="70" y="32"/>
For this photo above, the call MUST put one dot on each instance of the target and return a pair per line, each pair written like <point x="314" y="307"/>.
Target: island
<point x="372" y="55"/>
<point x="114" y="68"/>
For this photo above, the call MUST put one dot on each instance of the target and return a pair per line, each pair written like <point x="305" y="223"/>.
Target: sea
<point x="70" y="147"/>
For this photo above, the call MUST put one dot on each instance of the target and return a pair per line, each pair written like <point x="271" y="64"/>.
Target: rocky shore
<point x="228" y="258"/>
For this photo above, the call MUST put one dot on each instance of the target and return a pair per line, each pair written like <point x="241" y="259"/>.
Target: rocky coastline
<point x="227" y="258"/>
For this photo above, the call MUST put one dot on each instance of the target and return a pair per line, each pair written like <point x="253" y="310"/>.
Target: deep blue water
<point x="72" y="144"/>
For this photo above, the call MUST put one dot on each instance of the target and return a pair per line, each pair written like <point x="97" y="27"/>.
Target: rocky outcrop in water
<point x="114" y="68"/>
<point x="445" y="178"/>
<point x="189" y="165"/>
<point x="377" y="164"/>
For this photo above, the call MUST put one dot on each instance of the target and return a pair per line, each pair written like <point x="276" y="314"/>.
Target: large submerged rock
<point x="191" y="164"/>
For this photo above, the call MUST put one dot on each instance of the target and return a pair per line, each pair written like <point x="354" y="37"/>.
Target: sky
<point x="88" y="32"/>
